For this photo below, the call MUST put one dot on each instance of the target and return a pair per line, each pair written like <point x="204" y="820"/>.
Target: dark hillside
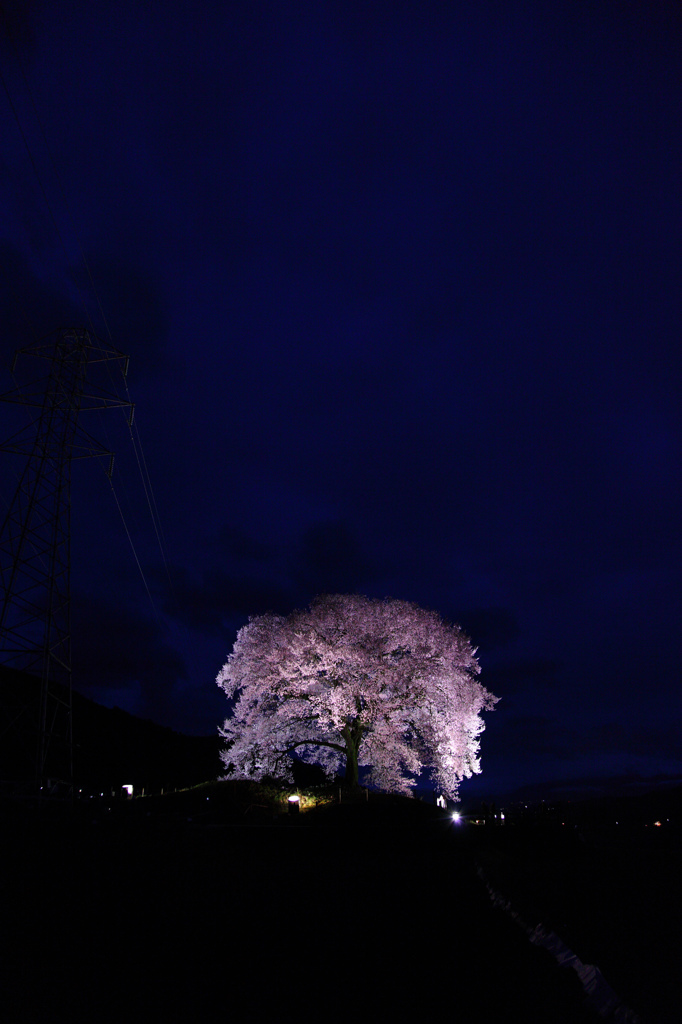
<point x="111" y="747"/>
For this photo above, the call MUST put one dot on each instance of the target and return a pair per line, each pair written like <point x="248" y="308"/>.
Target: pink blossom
<point x="383" y="685"/>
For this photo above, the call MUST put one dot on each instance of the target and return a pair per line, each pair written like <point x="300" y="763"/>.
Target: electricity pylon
<point x="35" y="542"/>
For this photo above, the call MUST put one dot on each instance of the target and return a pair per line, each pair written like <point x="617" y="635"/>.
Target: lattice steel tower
<point x="35" y="620"/>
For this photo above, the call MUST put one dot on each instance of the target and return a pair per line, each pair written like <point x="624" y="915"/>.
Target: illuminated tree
<point x="384" y="685"/>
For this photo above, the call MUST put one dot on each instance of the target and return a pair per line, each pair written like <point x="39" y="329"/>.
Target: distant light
<point x="502" y="816"/>
<point x="456" y="816"/>
<point x="657" y="823"/>
<point x="128" y="788"/>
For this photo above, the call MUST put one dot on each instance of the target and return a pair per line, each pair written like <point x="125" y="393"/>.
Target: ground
<point x="125" y="917"/>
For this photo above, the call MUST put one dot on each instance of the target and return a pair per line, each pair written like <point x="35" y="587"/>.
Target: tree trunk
<point x="352" y="734"/>
<point x="351" y="764"/>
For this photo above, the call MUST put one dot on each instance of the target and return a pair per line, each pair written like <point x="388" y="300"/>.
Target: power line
<point x="133" y="429"/>
<point x="35" y="541"/>
<point x="136" y="443"/>
<point x="133" y="549"/>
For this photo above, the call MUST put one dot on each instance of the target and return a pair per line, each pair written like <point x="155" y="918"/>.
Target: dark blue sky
<point x="400" y="283"/>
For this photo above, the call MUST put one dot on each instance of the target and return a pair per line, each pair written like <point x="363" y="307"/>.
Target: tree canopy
<point x="379" y="684"/>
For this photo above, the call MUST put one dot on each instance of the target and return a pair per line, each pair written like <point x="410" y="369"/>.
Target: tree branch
<point x="314" y="743"/>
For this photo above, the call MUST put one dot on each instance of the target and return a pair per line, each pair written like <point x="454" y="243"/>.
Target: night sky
<point x="400" y="286"/>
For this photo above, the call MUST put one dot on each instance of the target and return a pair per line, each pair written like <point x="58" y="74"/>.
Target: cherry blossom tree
<point x="383" y="685"/>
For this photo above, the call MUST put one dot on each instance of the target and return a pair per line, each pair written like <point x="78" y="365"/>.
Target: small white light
<point x="293" y="799"/>
<point x="456" y="816"/>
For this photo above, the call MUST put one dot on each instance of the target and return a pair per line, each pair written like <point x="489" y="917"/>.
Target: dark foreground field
<point x="129" y="916"/>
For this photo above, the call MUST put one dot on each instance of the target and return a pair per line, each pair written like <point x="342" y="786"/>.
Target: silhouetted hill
<point x="111" y="747"/>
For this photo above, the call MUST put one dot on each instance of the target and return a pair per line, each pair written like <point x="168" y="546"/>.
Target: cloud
<point x="602" y="748"/>
<point x="656" y="741"/>
<point x="118" y="651"/>
<point x="134" y="307"/>
<point x="535" y="736"/>
<point x="17" y="33"/>
<point x="29" y="308"/>
<point x="510" y="677"/>
<point x="211" y="603"/>
<point x="329" y="560"/>
<point x="242" y="546"/>
<point x="488" y="628"/>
